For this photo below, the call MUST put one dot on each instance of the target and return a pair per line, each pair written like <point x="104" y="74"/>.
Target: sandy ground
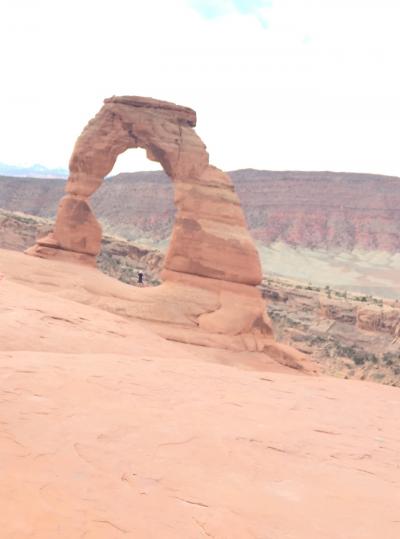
<point x="109" y="431"/>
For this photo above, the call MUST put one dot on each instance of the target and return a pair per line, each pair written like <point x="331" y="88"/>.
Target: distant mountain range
<point x="34" y="171"/>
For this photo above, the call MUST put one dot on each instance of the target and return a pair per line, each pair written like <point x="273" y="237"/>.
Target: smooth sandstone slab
<point x="109" y="431"/>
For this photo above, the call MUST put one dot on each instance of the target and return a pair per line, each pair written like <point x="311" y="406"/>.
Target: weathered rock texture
<point x="349" y="335"/>
<point x="212" y="265"/>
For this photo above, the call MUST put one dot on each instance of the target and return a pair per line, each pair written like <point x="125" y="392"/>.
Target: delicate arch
<point x="211" y="270"/>
<point x="210" y="236"/>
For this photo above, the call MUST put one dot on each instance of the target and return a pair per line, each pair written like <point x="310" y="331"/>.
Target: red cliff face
<point x="308" y="209"/>
<point x="322" y="209"/>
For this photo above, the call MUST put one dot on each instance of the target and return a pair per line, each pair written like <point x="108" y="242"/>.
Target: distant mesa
<point x="212" y="266"/>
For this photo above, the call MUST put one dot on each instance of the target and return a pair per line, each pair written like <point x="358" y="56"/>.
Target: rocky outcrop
<point x="349" y="335"/>
<point x="212" y="266"/>
<point x="118" y="258"/>
<point x="337" y="309"/>
<point x="19" y="231"/>
<point x="382" y="319"/>
<point x="374" y="318"/>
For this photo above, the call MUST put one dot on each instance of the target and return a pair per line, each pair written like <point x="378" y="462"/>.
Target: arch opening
<point x="134" y="160"/>
<point x="141" y="194"/>
<point x="136" y="211"/>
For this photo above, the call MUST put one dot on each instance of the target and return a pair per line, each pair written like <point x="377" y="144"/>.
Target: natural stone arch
<point x="210" y="236"/>
<point x="212" y="266"/>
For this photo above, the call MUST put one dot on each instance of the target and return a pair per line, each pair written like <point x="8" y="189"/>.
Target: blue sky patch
<point x="210" y="9"/>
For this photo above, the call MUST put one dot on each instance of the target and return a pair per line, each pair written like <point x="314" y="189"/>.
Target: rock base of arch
<point x="51" y="253"/>
<point x="185" y="308"/>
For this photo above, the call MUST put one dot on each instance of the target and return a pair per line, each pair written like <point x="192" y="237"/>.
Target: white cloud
<point x="317" y="89"/>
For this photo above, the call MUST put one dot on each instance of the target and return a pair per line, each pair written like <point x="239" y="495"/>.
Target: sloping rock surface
<point x="109" y="431"/>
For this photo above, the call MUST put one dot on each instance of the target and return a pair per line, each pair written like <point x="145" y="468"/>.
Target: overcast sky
<point x="277" y="84"/>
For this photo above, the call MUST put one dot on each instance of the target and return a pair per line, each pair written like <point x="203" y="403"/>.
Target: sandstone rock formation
<point x="212" y="266"/>
<point x="385" y="319"/>
<point x="210" y="237"/>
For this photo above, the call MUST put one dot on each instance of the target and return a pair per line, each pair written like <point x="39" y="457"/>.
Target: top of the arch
<point x="184" y="114"/>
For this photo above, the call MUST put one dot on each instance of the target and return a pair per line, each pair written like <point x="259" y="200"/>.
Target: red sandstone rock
<point x="211" y="257"/>
<point x="210" y="237"/>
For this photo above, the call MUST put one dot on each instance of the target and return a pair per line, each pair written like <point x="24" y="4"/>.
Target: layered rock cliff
<point x="322" y="209"/>
<point x="308" y="209"/>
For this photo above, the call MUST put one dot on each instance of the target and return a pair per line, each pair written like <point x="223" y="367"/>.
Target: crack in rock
<point x="203" y="527"/>
<point x="178" y="443"/>
<point x="122" y="530"/>
<point x="191" y="502"/>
